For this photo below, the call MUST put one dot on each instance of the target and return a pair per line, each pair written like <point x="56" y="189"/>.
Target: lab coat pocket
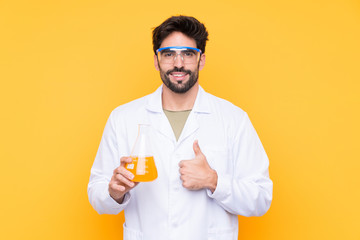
<point x="222" y="234"/>
<point x="132" y="234"/>
<point x="218" y="159"/>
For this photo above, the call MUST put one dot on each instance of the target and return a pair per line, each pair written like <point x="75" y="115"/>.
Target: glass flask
<point x="143" y="164"/>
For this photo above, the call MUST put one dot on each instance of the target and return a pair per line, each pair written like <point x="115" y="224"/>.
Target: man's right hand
<point x="121" y="181"/>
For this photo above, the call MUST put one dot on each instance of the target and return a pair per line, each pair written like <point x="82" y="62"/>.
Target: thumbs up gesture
<point x="196" y="173"/>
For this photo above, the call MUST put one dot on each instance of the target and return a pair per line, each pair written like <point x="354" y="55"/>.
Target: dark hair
<point x="189" y="26"/>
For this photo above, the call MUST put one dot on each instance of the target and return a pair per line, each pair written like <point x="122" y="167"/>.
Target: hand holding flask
<point x="143" y="165"/>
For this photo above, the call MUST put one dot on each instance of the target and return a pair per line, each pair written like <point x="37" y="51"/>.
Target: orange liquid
<point x="143" y="168"/>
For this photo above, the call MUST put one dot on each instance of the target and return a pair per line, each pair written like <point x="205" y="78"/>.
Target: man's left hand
<point x="196" y="173"/>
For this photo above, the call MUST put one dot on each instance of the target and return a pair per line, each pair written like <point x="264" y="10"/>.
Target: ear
<point x="156" y="63"/>
<point x="202" y="61"/>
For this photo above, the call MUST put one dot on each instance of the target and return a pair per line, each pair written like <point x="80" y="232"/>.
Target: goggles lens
<point x="188" y="55"/>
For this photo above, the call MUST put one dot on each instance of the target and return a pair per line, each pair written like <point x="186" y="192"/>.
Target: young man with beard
<point x="211" y="164"/>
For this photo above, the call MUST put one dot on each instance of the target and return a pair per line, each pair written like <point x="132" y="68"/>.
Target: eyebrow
<point x="167" y="50"/>
<point x="189" y="50"/>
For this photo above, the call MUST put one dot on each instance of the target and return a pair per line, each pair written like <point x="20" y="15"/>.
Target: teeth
<point x="178" y="75"/>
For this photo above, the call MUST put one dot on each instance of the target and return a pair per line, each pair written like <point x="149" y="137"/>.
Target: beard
<point x="180" y="86"/>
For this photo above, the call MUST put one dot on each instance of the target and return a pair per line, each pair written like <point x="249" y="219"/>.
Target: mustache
<point x="176" y="69"/>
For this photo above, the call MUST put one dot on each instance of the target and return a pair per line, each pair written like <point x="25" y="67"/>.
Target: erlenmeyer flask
<point x="143" y="164"/>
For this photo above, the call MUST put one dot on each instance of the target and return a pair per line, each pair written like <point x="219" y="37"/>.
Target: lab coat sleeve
<point x="247" y="190"/>
<point x="106" y="160"/>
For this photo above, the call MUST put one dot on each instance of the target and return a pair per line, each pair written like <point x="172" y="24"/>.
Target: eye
<point x="189" y="53"/>
<point x="167" y="54"/>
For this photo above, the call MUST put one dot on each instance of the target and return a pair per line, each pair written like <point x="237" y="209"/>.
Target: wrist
<point x="213" y="178"/>
<point x="119" y="200"/>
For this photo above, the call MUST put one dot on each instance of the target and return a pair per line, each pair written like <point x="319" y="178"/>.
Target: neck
<point x="179" y="101"/>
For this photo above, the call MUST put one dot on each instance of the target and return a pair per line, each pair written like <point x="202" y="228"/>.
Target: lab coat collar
<point x="201" y="104"/>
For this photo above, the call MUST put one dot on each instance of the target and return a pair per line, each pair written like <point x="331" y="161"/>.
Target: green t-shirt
<point x="177" y="120"/>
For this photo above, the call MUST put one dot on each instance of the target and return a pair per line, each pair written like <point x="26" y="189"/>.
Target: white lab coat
<point x="164" y="209"/>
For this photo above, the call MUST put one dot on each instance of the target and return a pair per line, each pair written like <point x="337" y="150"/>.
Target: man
<point x="211" y="164"/>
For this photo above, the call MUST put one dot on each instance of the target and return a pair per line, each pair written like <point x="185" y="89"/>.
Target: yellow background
<point x="292" y="65"/>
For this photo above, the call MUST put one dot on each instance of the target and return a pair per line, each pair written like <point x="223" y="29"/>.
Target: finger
<point x="182" y="178"/>
<point x="117" y="187"/>
<point x="124" y="160"/>
<point x="120" y="178"/>
<point x="123" y="171"/>
<point x="183" y="163"/>
<point x="196" y="148"/>
<point x="186" y="185"/>
<point x="126" y="173"/>
<point x="116" y="170"/>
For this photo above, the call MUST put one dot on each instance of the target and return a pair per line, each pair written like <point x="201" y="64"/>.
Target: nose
<point x="178" y="61"/>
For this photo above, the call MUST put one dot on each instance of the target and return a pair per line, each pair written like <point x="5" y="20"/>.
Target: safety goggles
<point x="168" y="55"/>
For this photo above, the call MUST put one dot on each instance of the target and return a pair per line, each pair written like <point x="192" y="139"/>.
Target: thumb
<point x="197" y="149"/>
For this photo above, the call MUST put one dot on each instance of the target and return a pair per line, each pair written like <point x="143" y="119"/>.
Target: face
<point x="177" y="76"/>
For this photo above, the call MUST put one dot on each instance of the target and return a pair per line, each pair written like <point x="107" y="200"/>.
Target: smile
<point x="179" y="76"/>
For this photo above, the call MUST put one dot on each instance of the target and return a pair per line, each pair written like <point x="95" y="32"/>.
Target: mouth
<point x="178" y="76"/>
